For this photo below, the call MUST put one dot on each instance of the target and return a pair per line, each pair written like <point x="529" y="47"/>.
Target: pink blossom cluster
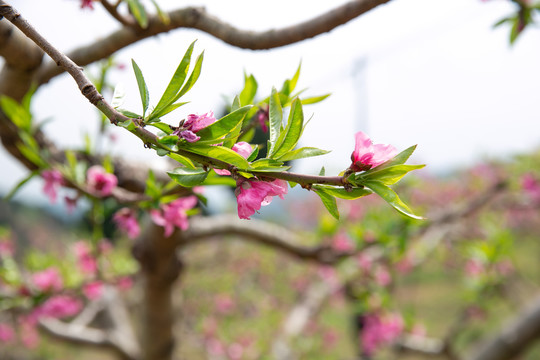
<point x="367" y="155"/>
<point x="53" y="180"/>
<point x="173" y="214"/>
<point x="48" y="280"/>
<point x="85" y="258"/>
<point x="194" y="124"/>
<point x="531" y="186"/>
<point x="251" y="194"/>
<point x="380" y="330"/>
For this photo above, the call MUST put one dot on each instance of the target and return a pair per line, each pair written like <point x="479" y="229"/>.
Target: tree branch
<point x="275" y="236"/>
<point x="198" y="18"/>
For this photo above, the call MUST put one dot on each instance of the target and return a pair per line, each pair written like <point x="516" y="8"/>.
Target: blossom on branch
<point x="100" y="183"/>
<point x="53" y="180"/>
<point x="379" y="330"/>
<point x="87" y="4"/>
<point x="367" y="155"/>
<point x="126" y="220"/>
<point x="192" y="125"/>
<point x="252" y="194"/>
<point x="174" y="214"/>
<point x="87" y="261"/>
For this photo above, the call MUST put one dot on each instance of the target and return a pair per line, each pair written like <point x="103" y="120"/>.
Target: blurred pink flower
<point x="379" y="331"/>
<point x="7" y="334"/>
<point x="53" y="180"/>
<point x="235" y="351"/>
<point x="341" y="242"/>
<point x="124" y="283"/>
<point x="531" y="186"/>
<point x="364" y="261"/>
<point x="48" y="280"/>
<point x="242" y="148"/>
<point x="262" y="117"/>
<point x="71" y="203"/>
<point x="474" y="268"/>
<point x="193" y="124"/>
<point x="93" y="290"/>
<point x="126" y="220"/>
<point x="252" y="194"/>
<point x="330" y="338"/>
<point x="87" y="261"/>
<point x="87" y="4"/>
<point x="28" y="333"/>
<point x="174" y="214"/>
<point x="6" y="247"/>
<point x="224" y="304"/>
<point x="215" y="347"/>
<point x="59" y="306"/>
<point x="367" y="155"/>
<point x="382" y="276"/>
<point x="100" y="183"/>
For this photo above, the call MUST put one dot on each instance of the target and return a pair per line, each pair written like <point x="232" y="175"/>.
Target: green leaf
<point x="16" y="113"/>
<point x="152" y="187"/>
<point x="214" y="179"/>
<point x="138" y="11"/>
<point x="163" y="127"/>
<point x="235" y="134"/>
<point x="269" y="165"/>
<point x="188" y="177"/>
<point x="314" y="99"/>
<point x="224" y="125"/>
<point x="294" y="79"/>
<point x="192" y="78"/>
<point x="129" y="114"/>
<point x="119" y="94"/>
<point x="249" y="91"/>
<point x="129" y="125"/>
<point x="163" y="16"/>
<point x="399" y="159"/>
<point x="175" y="84"/>
<point x="143" y="89"/>
<point x="31" y="155"/>
<point x="221" y="153"/>
<point x="182" y="160"/>
<point x="290" y="136"/>
<point x="165" y="111"/>
<point x="253" y="154"/>
<point x="275" y="119"/>
<point x="235" y="104"/>
<point x="20" y="184"/>
<point x="322" y="172"/>
<point x="387" y="176"/>
<point x="302" y="153"/>
<point x="343" y="193"/>
<point x="328" y="201"/>
<point x="389" y="195"/>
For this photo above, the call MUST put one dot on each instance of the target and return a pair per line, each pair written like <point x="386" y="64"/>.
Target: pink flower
<point x="262" y="117"/>
<point x="93" y="290"/>
<point x="6" y="333"/>
<point x="100" y="183"/>
<point x="367" y="155"/>
<point x="382" y="276"/>
<point x="48" y="280"/>
<point x="474" y="268"/>
<point x="174" y="214"/>
<point x="252" y="194"/>
<point x="224" y="304"/>
<point x="28" y="334"/>
<point x="59" y="306"/>
<point x="71" y="203"/>
<point x="341" y="242"/>
<point x="87" y="4"/>
<point x="126" y="220"/>
<point x="235" y="351"/>
<point x="379" y="331"/>
<point x="86" y="259"/>
<point x="6" y="248"/>
<point x="193" y="124"/>
<point x="124" y="283"/>
<point x="53" y="180"/>
<point x="531" y="186"/>
<point x="242" y="148"/>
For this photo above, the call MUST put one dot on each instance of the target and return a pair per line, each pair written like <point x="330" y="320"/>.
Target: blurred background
<point x="430" y="72"/>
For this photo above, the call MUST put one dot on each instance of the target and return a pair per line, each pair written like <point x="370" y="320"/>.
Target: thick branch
<point x="198" y="18"/>
<point x="274" y="236"/>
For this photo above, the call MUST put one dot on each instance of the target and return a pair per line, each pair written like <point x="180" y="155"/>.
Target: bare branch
<point x="198" y="18"/>
<point x="272" y="235"/>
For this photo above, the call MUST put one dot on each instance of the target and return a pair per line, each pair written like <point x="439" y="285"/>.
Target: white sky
<point x="428" y="72"/>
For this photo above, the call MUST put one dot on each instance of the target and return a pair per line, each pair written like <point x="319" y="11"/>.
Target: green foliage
<point x="188" y="177"/>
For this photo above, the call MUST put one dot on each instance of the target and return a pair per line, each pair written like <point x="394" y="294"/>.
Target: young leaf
<point x="314" y="99"/>
<point x="143" y="89"/>
<point x="254" y="154"/>
<point x="16" y="113"/>
<point x="164" y="112"/>
<point x="163" y="127"/>
<point x="302" y="153"/>
<point x="250" y="89"/>
<point x="192" y="78"/>
<point x="188" y="177"/>
<point x="399" y="159"/>
<point x="290" y="136"/>
<point x="163" y="16"/>
<point x="235" y="134"/>
<point x="224" y="125"/>
<point x="387" y="176"/>
<point x="175" y="84"/>
<point x="219" y="152"/>
<point x="182" y="160"/>
<point x="21" y="183"/>
<point x="138" y="11"/>
<point x="391" y="198"/>
<point x="342" y="193"/>
<point x="328" y="201"/>
<point x="275" y="118"/>
<point x="118" y="96"/>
